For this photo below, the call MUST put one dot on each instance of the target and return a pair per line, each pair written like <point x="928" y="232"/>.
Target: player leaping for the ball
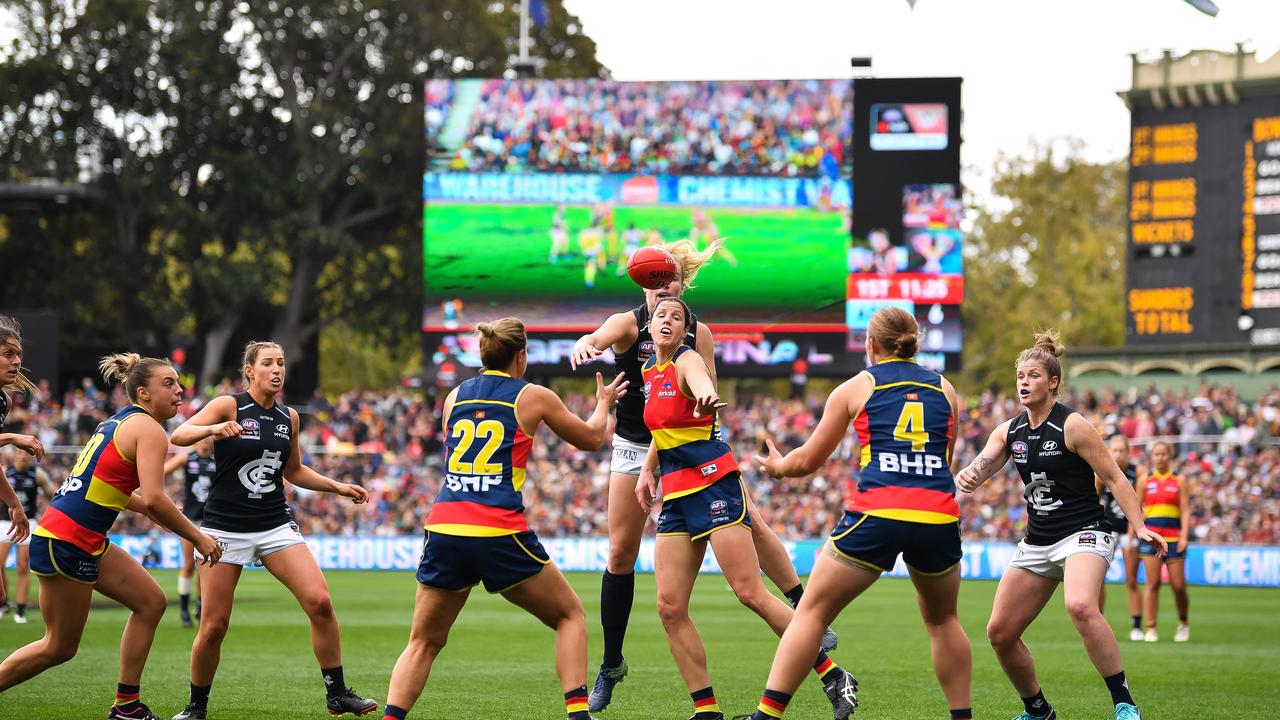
<point x="627" y="333"/>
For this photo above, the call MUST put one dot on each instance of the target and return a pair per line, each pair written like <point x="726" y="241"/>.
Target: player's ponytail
<point x="131" y="369"/>
<point x="500" y="341"/>
<point x="691" y="260"/>
<point x="1045" y="352"/>
<point x="11" y="335"/>
<point x="895" y="332"/>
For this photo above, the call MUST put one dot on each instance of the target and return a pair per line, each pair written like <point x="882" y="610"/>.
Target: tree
<point x="258" y="159"/>
<point x="1048" y="252"/>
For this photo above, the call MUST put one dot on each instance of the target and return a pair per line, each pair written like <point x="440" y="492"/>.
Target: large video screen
<point x="1204" y="224"/>
<point x="537" y="191"/>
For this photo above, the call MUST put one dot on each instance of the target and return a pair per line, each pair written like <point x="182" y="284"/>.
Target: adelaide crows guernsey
<point x="1161" y="504"/>
<point x="26" y="486"/>
<point x="1058" y="484"/>
<point x="691" y="455"/>
<point x="485" y="454"/>
<point x="630" y="415"/>
<point x="248" y="482"/>
<point x="96" y="490"/>
<point x="904" y="430"/>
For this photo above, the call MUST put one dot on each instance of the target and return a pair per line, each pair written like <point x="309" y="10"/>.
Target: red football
<point x="652" y="267"/>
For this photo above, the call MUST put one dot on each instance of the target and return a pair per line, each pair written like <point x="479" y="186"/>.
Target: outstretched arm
<point x="845" y="403"/>
<point x="991" y="459"/>
<point x="619" y="331"/>
<point x="302" y="476"/>
<point x="538" y="404"/>
<point x="1084" y="440"/>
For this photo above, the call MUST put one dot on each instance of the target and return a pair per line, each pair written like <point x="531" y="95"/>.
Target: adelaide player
<point x="121" y="467"/>
<point x="477" y="532"/>
<point x="1057" y="454"/>
<point x="628" y="334"/>
<point x="704" y="502"/>
<point x="1166" y="503"/>
<point x="905" y="418"/>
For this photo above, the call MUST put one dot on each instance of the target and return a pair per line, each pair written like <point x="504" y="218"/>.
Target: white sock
<point x="184" y="585"/>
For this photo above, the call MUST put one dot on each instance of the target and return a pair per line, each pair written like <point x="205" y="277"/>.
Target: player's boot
<point x="1053" y="715"/>
<point x="350" y="702"/>
<point x="829" y="640"/>
<point x="136" y="711"/>
<point x="193" y="711"/>
<point x="1183" y="633"/>
<point x="21" y="619"/>
<point x="842" y="690"/>
<point x="602" y="691"/>
<point x="1125" y="711"/>
<point x="707" y="716"/>
<point x="1151" y="635"/>
<point x="186" y="620"/>
<point x="1135" y="634"/>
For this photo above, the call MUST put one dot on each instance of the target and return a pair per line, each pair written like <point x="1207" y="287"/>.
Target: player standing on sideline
<point x="1166" y="503"/>
<point x="627" y="333"/>
<point x="559" y="236"/>
<point x="71" y="553"/>
<point x="1057" y="453"/>
<point x="199" y="469"/>
<point x="11" y="377"/>
<point x="1118" y="446"/>
<point x="27" y="481"/>
<point x="704" y="502"/>
<point x="256" y="446"/>
<point x="477" y="531"/>
<point x="905" y="418"/>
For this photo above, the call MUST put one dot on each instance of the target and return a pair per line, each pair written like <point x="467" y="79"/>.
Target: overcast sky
<point x="1041" y="69"/>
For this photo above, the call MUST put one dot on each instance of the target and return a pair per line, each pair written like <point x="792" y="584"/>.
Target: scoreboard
<point x="1204" y="224"/>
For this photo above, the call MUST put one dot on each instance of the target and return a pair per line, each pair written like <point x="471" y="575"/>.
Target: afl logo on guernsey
<point x="646" y="348"/>
<point x="1019" y="449"/>
<point x="258" y="476"/>
<point x="252" y="431"/>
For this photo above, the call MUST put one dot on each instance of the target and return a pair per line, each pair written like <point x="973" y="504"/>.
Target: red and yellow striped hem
<point x="771" y="708"/>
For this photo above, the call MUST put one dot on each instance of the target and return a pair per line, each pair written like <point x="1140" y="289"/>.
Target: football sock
<point x="1119" y="688"/>
<point x="617" y="592"/>
<point x="1036" y="705"/>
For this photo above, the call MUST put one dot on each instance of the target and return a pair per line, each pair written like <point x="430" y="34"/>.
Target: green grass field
<point x="499" y="660"/>
<point x="791" y="263"/>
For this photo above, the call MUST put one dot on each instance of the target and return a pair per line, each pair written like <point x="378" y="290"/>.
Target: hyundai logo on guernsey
<point x="282" y="431"/>
<point x="1050" y="447"/>
<point x="252" y="431"/>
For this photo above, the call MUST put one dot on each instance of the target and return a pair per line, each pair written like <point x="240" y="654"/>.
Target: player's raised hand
<point x="225" y="430"/>
<point x="19" y="527"/>
<point x="707" y="404"/>
<point x="1156" y="539"/>
<point x="583" y="353"/>
<point x="611" y="393"/>
<point x="30" y="445"/>
<point x="769" y="463"/>
<point x="357" y="493"/>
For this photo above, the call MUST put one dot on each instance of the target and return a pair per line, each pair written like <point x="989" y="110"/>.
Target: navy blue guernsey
<point x="248" y="484"/>
<point x="1058" y="484"/>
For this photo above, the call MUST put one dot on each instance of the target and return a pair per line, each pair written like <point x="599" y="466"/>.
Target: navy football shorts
<point x="875" y="543"/>
<point x="460" y="562"/>
<point x="719" y="505"/>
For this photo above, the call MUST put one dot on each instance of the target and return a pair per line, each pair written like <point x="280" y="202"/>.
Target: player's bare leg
<point x="434" y="612"/>
<point x="64" y="605"/>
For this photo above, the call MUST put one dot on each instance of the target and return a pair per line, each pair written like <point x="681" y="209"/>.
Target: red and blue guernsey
<point x="1162" y="505"/>
<point x="485" y="454"/>
<point x="96" y="490"/>
<point x="691" y="455"/>
<point x="905" y="429"/>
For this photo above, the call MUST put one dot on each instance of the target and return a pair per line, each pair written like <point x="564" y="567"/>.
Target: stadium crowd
<point x="778" y="128"/>
<point x="390" y="443"/>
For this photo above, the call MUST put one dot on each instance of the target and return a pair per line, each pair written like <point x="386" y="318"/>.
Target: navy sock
<point x="616" y="595"/>
<point x="22" y="611"/>
<point x="184" y="602"/>
<point x="334" y="683"/>
<point x="1137" y="621"/>
<point x="1037" y="705"/>
<point x="395" y="712"/>
<point x="1119" y="688"/>
<point x="794" y="594"/>
<point x="575" y="704"/>
<point x="127" y="695"/>
<point x="962" y="714"/>
<point x="200" y="694"/>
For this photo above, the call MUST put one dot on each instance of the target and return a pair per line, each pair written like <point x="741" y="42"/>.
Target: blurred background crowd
<point x="390" y="443"/>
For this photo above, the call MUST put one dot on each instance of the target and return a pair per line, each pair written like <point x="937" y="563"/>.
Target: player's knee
<point x="151" y="607"/>
<point x="1000" y="636"/>
<point x="318" y="607"/>
<point x="213" y="629"/>
<point x="622" y="556"/>
<point x="56" y="653"/>
<point x="671" y="612"/>
<point x="753" y="596"/>
<point x="1082" y="609"/>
